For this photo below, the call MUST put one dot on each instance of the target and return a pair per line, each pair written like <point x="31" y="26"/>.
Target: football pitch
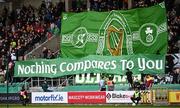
<point x="82" y="106"/>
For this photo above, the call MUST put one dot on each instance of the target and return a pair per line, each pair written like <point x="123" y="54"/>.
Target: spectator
<point x="102" y="84"/>
<point x="2" y="76"/>
<point x="129" y="77"/>
<point x="74" y="5"/>
<point x="13" y="55"/>
<point x="170" y="63"/>
<point x="45" y="87"/>
<point x="168" y="79"/>
<point x="142" y="76"/>
<point x="136" y="84"/>
<point x="178" y="71"/>
<point x="10" y="72"/>
<point x="53" y="56"/>
<point x="107" y="5"/>
<point x="175" y="75"/>
<point x="110" y="84"/>
<point x="45" y="52"/>
<point x="149" y="81"/>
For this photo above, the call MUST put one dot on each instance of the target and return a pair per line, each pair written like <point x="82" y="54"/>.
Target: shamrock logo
<point x="149" y="30"/>
<point x="149" y="37"/>
<point x="148" y="33"/>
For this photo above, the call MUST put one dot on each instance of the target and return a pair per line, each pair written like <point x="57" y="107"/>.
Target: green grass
<point x="83" y="106"/>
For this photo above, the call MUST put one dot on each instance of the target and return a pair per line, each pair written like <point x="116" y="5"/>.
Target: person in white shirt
<point x="102" y="84"/>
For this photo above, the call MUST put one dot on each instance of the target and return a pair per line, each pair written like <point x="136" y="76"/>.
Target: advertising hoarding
<point x="49" y="97"/>
<point x="87" y="97"/>
<point x="174" y="97"/>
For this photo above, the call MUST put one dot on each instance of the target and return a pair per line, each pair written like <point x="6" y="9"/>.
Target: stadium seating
<point x="13" y="88"/>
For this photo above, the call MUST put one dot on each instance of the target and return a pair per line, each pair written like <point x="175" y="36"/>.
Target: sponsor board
<point x="125" y="97"/>
<point x="119" y="96"/>
<point x="49" y="97"/>
<point x="174" y="97"/>
<point x="146" y="97"/>
<point x="87" y="97"/>
<point x="13" y="98"/>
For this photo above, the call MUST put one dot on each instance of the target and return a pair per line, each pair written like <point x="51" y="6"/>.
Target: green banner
<point x="119" y="32"/>
<point x="153" y="64"/>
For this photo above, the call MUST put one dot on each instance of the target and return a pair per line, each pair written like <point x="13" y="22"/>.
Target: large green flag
<point x="153" y="64"/>
<point x="121" y="32"/>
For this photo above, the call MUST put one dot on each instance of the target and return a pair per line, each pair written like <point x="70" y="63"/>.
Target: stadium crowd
<point x="107" y="5"/>
<point x="24" y="29"/>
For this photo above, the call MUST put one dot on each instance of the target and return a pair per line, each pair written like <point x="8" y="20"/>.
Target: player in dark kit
<point x="129" y="77"/>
